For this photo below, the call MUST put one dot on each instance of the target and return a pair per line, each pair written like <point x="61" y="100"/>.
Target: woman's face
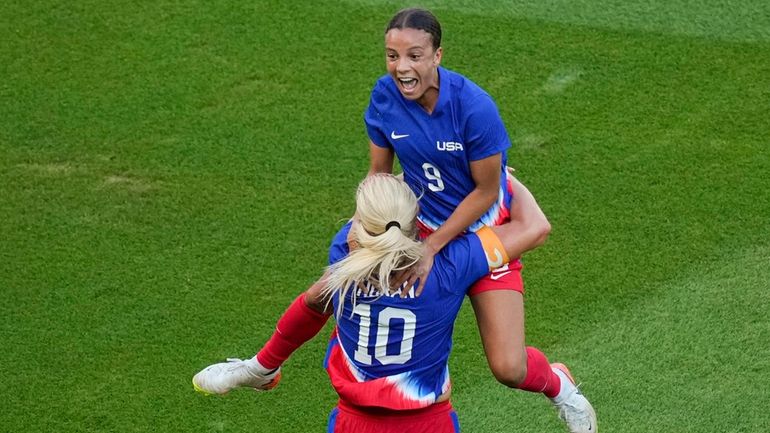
<point x="413" y="64"/>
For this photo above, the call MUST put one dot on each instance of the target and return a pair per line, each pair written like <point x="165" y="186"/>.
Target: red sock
<point x="540" y="377"/>
<point x="298" y="324"/>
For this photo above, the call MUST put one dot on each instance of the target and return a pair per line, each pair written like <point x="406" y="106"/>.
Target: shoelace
<point x="574" y="391"/>
<point x="235" y="364"/>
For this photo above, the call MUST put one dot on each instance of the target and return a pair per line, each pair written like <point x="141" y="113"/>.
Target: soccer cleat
<point x="574" y="409"/>
<point x="222" y="377"/>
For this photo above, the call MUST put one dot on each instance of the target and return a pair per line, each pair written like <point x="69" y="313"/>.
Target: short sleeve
<point x="485" y="132"/>
<point x="339" y="249"/>
<point x="373" y="118"/>
<point x="463" y="262"/>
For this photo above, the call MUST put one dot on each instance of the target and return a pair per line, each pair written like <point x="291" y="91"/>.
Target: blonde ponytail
<point x="385" y="233"/>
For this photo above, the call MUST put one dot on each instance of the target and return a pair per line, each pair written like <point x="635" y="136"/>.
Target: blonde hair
<point x="385" y="233"/>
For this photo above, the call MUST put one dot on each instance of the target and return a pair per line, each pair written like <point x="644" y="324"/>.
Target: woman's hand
<point x="418" y="272"/>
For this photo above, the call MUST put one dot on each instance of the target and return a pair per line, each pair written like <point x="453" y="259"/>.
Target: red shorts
<point x="506" y="278"/>
<point x="436" y="418"/>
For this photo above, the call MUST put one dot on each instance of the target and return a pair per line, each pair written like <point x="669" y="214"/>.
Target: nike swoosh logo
<point x="498" y="276"/>
<point x="395" y="136"/>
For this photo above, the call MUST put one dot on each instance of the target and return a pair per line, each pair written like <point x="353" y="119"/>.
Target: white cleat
<point x="222" y="377"/>
<point x="574" y="409"/>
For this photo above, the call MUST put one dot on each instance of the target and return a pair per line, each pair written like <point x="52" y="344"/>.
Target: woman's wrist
<point x="430" y="246"/>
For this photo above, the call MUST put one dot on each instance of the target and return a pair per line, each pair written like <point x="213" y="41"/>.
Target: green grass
<point x="171" y="174"/>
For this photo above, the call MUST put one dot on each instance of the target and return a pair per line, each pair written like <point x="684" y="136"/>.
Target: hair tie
<point x="392" y="224"/>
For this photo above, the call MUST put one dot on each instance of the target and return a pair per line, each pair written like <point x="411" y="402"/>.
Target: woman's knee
<point x="509" y="369"/>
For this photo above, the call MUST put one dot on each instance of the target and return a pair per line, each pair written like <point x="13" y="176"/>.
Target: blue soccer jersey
<point x="392" y="352"/>
<point x="435" y="150"/>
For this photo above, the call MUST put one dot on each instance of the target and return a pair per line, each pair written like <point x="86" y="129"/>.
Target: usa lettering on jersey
<point x="449" y="146"/>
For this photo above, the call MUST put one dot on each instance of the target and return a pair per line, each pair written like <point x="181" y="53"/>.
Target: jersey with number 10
<point x="391" y="352"/>
<point x="435" y="150"/>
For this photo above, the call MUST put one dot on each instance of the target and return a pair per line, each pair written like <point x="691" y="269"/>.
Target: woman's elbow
<point x="541" y="229"/>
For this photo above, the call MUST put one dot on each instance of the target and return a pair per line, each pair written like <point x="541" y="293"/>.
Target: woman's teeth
<point x="408" y="83"/>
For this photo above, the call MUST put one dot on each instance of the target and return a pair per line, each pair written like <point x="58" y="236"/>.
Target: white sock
<point x="567" y="387"/>
<point x="254" y="365"/>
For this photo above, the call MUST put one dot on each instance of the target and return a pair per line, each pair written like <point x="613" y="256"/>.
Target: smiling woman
<point x="412" y="60"/>
<point x="464" y="185"/>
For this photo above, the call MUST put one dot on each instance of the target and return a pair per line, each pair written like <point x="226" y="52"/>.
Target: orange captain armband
<point x="493" y="248"/>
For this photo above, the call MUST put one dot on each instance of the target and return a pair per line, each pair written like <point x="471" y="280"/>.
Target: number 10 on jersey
<point x="382" y="326"/>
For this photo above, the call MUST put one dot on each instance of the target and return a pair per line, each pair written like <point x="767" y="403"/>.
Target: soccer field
<point x="171" y="174"/>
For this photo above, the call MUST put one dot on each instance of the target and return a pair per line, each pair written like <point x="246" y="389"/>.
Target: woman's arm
<point x="529" y="227"/>
<point x="380" y="159"/>
<point x="486" y="175"/>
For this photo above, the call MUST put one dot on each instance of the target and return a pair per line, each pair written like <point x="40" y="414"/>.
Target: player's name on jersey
<point x="370" y="290"/>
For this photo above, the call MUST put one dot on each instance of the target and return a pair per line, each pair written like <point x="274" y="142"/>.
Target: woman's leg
<point x="302" y="321"/>
<point x="500" y="317"/>
<point x="304" y="318"/>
